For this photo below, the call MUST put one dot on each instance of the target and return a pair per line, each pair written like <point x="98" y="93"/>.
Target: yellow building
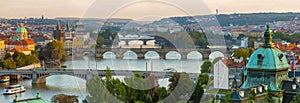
<point x="2" y="45"/>
<point x="78" y="42"/>
<point x="68" y="44"/>
<point x="2" y="48"/>
<point x="30" y="44"/>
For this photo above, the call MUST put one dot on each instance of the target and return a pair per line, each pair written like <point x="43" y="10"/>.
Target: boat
<point x="169" y="70"/>
<point x="63" y="66"/>
<point x="14" y="89"/>
<point x="4" y="79"/>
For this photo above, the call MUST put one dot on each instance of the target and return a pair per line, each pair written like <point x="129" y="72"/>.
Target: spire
<point x="268" y="38"/>
<point x="68" y="27"/>
<point x="58" y="25"/>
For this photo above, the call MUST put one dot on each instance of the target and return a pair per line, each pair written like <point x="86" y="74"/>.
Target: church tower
<point x="59" y="33"/>
<point x="68" y="31"/>
<point x="267" y="65"/>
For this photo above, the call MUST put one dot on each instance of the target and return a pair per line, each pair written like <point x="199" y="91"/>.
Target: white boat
<point x="14" y="89"/>
<point x="4" y="79"/>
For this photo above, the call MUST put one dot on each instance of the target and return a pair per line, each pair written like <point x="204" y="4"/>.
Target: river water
<point x="64" y="84"/>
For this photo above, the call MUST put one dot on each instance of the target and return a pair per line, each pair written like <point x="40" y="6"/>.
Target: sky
<point x="138" y="9"/>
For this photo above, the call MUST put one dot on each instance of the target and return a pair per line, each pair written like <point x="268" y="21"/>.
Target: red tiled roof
<point x="29" y="42"/>
<point x="231" y="64"/>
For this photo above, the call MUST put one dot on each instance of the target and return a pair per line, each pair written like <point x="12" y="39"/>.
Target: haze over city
<point x="146" y="8"/>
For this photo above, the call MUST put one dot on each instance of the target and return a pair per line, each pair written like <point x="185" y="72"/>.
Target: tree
<point x="54" y="50"/>
<point x="252" y="97"/>
<point x="279" y="96"/>
<point x="241" y="53"/>
<point x="100" y="41"/>
<point x="206" y="67"/>
<point x="296" y="98"/>
<point x="111" y="90"/>
<point x="20" y="59"/>
<point x="250" y="51"/>
<point x="181" y="87"/>
<point x="227" y="98"/>
<point x="9" y="63"/>
<point x="269" y="98"/>
<point x="198" y="92"/>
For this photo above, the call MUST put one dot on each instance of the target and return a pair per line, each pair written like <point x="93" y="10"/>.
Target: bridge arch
<point x="150" y="42"/>
<point x="130" y="55"/>
<point x="173" y="55"/>
<point x="151" y="55"/>
<point x="194" y="55"/>
<point x="109" y="55"/>
<point x="215" y="54"/>
<point x="135" y="42"/>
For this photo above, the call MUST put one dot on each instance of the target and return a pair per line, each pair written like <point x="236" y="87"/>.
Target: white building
<point x="226" y="71"/>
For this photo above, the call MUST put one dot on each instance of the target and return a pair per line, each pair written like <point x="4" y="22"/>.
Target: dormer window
<point x="260" y="89"/>
<point x="242" y="93"/>
<point x="266" y="87"/>
<point x="260" y="59"/>
<point x="294" y="86"/>
<point x="280" y="57"/>
<point x="254" y="89"/>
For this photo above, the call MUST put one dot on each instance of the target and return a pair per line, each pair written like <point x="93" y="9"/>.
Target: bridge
<point x="162" y="52"/>
<point x="144" y="39"/>
<point x="39" y="76"/>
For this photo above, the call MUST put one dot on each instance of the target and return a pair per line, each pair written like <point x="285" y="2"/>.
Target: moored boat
<point x="4" y="79"/>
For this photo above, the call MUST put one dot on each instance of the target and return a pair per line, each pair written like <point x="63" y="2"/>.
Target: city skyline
<point x="148" y="10"/>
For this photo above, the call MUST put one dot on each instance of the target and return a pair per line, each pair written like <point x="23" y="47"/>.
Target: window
<point x="266" y="87"/>
<point x="294" y="86"/>
<point x="260" y="59"/>
<point x="260" y="89"/>
<point x="242" y="93"/>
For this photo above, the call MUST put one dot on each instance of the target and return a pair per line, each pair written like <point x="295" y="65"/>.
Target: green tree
<point x="252" y="97"/>
<point x="206" y="67"/>
<point x="269" y="98"/>
<point x="9" y="63"/>
<point x="198" y="92"/>
<point x="54" y="50"/>
<point x="181" y="86"/>
<point x="227" y="98"/>
<point x="100" y="41"/>
<point x="250" y="51"/>
<point x="279" y="96"/>
<point x="20" y="59"/>
<point x="296" y="99"/>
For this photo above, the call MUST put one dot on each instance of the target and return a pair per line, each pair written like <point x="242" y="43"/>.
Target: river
<point x="64" y="84"/>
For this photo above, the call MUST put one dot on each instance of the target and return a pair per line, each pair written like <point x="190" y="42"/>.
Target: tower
<point x="59" y="33"/>
<point x="22" y="32"/>
<point x="267" y="66"/>
<point x="68" y="31"/>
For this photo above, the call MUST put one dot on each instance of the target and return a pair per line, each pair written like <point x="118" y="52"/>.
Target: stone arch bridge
<point x="39" y="76"/>
<point x="140" y="52"/>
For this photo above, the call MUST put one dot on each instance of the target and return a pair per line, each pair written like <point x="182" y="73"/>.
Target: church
<point x="20" y="42"/>
<point x="266" y="69"/>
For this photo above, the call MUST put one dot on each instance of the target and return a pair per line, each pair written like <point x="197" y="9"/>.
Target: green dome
<point x="267" y="59"/>
<point x="21" y="30"/>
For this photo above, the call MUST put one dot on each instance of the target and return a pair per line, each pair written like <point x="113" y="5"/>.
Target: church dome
<point x="267" y="59"/>
<point x="21" y="29"/>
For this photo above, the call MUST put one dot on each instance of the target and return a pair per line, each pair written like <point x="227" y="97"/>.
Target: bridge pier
<point x="36" y="79"/>
<point x="144" y="42"/>
<point x="183" y="56"/>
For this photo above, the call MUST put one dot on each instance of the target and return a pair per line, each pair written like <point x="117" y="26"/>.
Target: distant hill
<point x="240" y="19"/>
